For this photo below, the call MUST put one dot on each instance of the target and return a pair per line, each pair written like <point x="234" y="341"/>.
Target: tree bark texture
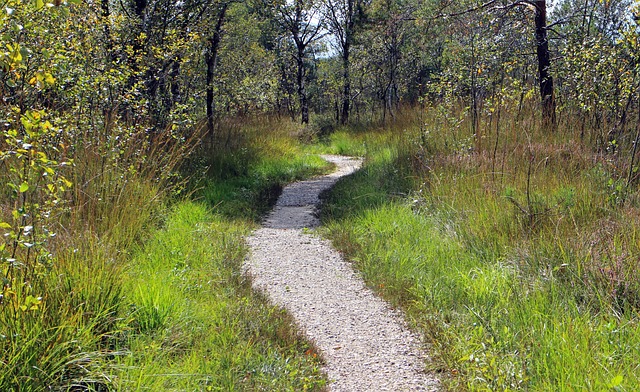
<point x="346" y="52"/>
<point x="106" y="15"/>
<point x="301" y="45"/>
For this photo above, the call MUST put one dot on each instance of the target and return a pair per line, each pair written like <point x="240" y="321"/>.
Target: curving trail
<point x="366" y="344"/>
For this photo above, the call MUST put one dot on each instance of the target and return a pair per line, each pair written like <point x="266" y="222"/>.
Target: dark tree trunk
<point x="135" y="58"/>
<point x="475" y="116"/>
<point x="346" y="94"/>
<point x="211" y="58"/>
<point x="343" y="21"/>
<point x="544" y="65"/>
<point x="302" y="93"/>
<point x="175" y="83"/>
<point x="301" y="45"/>
<point x="346" y="52"/>
<point x="297" y="19"/>
<point x="139" y="6"/>
<point x="392" y="32"/>
<point x="106" y="15"/>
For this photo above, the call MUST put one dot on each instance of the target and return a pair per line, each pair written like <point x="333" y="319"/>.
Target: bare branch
<point x="490" y="6"/>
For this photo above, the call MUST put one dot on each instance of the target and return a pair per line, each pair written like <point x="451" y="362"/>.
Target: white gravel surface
<point x="366" y="344"/>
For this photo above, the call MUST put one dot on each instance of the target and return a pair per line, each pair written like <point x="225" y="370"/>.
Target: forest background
<point x="498" y="205"/>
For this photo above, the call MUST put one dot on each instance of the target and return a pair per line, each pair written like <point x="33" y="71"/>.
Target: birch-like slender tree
<point x="300" y="19"/>
<point x="342" y="17"/>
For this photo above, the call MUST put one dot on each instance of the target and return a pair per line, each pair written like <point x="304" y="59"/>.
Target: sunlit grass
<point x="244" y="179"/>
<point x="196" y="322"/>
<point x="519" y="266"/>
<point x="145" y="289"/>
<point x="197" y="325"/>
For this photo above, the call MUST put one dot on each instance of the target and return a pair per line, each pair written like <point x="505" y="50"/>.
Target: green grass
<point x="144" y="290"/>
<point x="498" y="329"/>
<point x="196" y="323"/>
<point x="512" y="292"/>
<point x="243" y="180"/>
<point x="249" y="193"/>
<point x="522" y="276"/>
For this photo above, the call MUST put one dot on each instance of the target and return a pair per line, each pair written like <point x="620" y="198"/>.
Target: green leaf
<point x="49" y="79"/>
<point x="24" y="187"/>
<point x="4" y="225"/>
<point x="616" y="381"/>
<point x="15" y="56"/>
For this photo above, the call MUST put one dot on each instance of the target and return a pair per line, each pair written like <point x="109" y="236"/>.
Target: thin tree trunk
<point x="346" y="48"/>
<point x="346" y="94"/>
<point x="474" y="94"/>
<point x="544" y="65"/>
<point x="211" y="58"/>
<point x="175" y="84"/>
<point x="302" y="93"/>
<point x="106" y="15"/>
<point x="635" y="147"/>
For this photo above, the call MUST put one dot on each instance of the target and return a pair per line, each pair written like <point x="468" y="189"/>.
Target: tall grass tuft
<point x="243" y="172"/>
<point x="81" y="203"/>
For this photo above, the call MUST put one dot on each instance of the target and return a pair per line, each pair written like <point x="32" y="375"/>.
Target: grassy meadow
<point x="515" y="253"/>
<point x="142" y="141"/>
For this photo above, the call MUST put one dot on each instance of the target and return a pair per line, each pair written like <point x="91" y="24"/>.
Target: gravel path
<point x="366" y="344"/>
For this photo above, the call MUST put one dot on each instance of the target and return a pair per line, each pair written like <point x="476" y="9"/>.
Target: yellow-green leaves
<point x="616" y="382"/>
<point x="42" y="79"/>
<point x="15" y="55"/>
<point x="35" y="125"/>
<point x="31" y="304"/>
<point x="37" y="183"/>
<point x="11" y="56"/>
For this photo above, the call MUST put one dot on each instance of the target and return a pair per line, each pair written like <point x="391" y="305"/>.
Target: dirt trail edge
<point x="366" y="344"/>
